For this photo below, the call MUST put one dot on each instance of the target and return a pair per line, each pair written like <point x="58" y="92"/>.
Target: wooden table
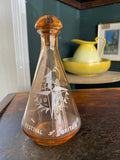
<point x="98" y="138"/>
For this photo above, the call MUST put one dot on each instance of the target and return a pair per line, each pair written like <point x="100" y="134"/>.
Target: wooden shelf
<point x="106" y="77"/>
<point x="89" y="3"/>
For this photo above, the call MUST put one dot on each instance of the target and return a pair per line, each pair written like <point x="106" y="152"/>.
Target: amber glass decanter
<point x="51" y="116"/>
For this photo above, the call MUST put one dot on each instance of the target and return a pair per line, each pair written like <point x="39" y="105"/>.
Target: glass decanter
<point x="51" y="115"/>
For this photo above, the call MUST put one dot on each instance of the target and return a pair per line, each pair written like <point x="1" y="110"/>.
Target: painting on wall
<point x="111" y="32"/>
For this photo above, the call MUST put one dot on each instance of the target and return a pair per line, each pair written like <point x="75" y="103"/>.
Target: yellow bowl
<point x="86" y="69"/>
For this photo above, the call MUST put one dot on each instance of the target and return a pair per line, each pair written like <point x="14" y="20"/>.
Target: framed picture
<point x="111" y="32"/>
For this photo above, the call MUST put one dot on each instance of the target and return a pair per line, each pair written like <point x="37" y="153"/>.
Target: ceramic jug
<point x="87" y="51"/>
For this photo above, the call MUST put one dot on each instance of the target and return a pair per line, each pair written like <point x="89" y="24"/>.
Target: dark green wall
<point x="70" y="18"/>
<point x="80" y="24"/>
<point x="89" y="20"/>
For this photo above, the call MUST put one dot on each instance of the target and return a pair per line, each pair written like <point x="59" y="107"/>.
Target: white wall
<point x="9" y="76"/>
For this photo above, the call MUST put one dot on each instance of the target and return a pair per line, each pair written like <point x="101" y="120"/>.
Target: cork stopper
<point x="48" y="22"/>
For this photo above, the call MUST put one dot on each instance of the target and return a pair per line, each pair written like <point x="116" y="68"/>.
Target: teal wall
<point x="80" y="24"/>
<point x="89" y="20"/>
<point x="70" y="18"/>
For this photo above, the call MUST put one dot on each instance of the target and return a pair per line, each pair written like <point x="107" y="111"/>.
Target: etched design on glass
<point x="34" y="129"/>
<point x="52" y="97"/>
<point x="63" y="131"/>
<point x="51" y="132"/>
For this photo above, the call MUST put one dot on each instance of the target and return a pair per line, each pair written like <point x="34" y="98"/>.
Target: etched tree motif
<point x="54" y="96"/>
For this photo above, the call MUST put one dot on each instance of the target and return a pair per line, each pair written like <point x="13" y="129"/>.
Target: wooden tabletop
<point x="98" y="138"/>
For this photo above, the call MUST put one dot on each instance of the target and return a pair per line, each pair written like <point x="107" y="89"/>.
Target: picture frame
<point x="111" y="32"/>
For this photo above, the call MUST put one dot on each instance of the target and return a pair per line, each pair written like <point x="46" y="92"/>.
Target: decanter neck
<point x="49" y="38"/>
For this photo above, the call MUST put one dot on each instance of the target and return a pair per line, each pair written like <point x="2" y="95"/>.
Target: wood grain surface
<point x="98" y="138"/>
<point x="88" y="4"/>
<point x="5" y="103"/>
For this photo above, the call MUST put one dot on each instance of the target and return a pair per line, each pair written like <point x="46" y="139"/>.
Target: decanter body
<point x="51" y="115"/>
